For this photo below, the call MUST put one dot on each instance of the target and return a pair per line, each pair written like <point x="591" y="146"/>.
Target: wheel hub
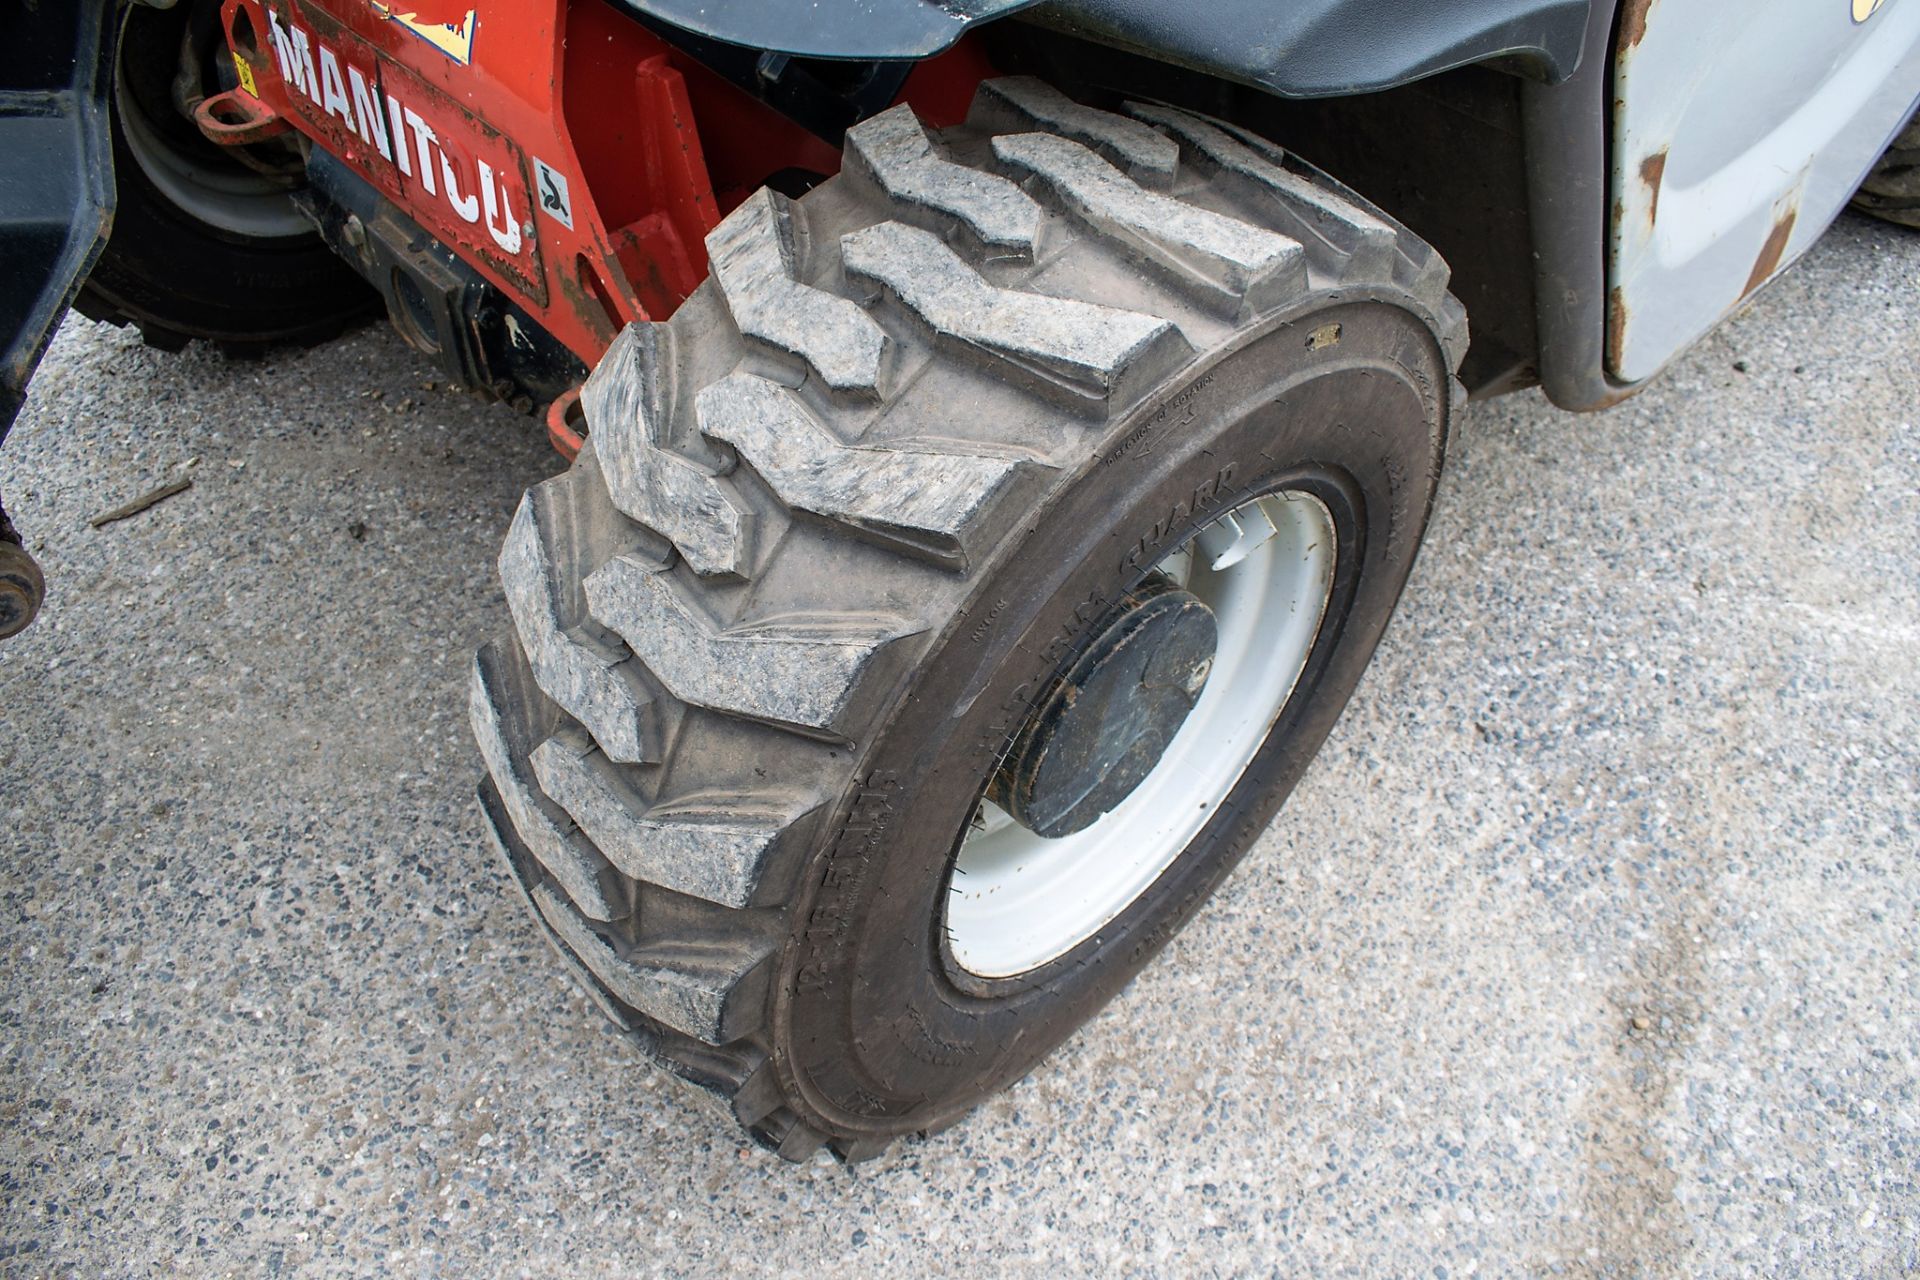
<point x="1105" y="723"/>
<point x="1093" y="835"/>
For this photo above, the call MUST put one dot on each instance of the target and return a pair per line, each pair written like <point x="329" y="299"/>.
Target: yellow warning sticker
<point x="246" y="74"/>
<point x="455" y="39"/>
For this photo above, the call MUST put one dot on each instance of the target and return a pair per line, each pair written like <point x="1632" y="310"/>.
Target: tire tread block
<point x="1092" y="350"/>
<point x="899" y="156"/>
<point x="651" y="483"/>
<point x="1019" y="104"/>
<point x="934" y="498"/>
<point x="711" y="846"/>
<point x="694" y="987"/>
<point x="593" y="682"/>
<point x="546" y="831"/>
<point x="1305" y="210"/>
<point x="800" y="670"/>
<point x="1250" y="266"/>
<point x="753" y="259"/>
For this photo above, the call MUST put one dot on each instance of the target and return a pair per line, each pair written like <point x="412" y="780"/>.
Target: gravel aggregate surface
<point x="1589" y="945"/>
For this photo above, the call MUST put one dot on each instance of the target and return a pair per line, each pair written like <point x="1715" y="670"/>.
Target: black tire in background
<point x="1892" y="190"/>
<point x="840" y="520"/>
<point x="204" y="246"/>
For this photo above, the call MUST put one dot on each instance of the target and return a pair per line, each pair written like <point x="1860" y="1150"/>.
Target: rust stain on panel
<point x="1773" y="250"/>
<point x="1652" y="170"/>
<point x="1633" y="22"/>
<point x="1616" y="325"/>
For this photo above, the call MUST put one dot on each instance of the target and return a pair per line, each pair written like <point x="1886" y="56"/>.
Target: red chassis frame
<point x="569" y="154"/>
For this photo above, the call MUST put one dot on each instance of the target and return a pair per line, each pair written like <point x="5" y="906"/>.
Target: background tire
<point x="202" y="245"/>
<point x="838" y="520"/>
<point x="1892" y="189"/>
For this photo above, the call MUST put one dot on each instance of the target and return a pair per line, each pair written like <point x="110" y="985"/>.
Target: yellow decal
<point x="455" y="39"/>
<point x="245" y="73"/>
<point x="1864" y="9"/>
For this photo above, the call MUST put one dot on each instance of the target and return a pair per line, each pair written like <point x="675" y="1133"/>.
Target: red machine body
<point x="566" y="152"/>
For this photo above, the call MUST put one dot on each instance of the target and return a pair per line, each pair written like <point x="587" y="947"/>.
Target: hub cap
<point x="1105" y="723"/>
<point x="1132" y="751"/>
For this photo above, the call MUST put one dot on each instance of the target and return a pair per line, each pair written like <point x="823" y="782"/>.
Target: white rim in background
<point x="1017" y="900"/>
<point x="221" y="193"/>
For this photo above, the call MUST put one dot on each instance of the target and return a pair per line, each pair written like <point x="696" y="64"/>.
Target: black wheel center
<point x="1104" y="723"/>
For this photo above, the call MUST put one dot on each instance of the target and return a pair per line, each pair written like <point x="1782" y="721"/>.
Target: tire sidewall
<point x="875" y="1030"/>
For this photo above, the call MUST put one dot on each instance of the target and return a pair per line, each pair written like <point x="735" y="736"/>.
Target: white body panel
<point x="1740" y="129"/>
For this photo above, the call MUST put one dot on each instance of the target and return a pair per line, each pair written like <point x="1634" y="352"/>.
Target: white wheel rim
<point x="1017" y="900"/>
<point x="225" y="196"/>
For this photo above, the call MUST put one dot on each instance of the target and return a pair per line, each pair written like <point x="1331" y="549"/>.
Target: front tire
<point x="845" y="520"/>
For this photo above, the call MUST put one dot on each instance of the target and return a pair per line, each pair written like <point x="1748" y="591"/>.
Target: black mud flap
<point x="56" y="174"/>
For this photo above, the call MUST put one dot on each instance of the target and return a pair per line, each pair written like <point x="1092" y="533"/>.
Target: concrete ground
<point x="1589" y="946"/>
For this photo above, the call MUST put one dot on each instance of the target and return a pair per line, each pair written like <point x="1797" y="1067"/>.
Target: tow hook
<point x="567" y="424"/>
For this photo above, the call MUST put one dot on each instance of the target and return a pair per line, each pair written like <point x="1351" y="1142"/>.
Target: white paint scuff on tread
<point x="712" y="848"/>
<point x="798" y="670"/>
<point x="1237" y="258"/>
<point x="894" y="488"/>
<point x="659" y="982"/>
<point x="594" y="683"/>
<point x="649" y="482"/>
<point x="752" y="257"/>
<point x="541" y="825"/>
<point x="1365" y="243"/>
<point x="1086" y="345"/>
<point x="1149" y="157"/>
<point x="898" y="154"/>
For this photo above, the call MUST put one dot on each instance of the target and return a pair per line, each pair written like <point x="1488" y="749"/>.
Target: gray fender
<point x="1310" y="48"/>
